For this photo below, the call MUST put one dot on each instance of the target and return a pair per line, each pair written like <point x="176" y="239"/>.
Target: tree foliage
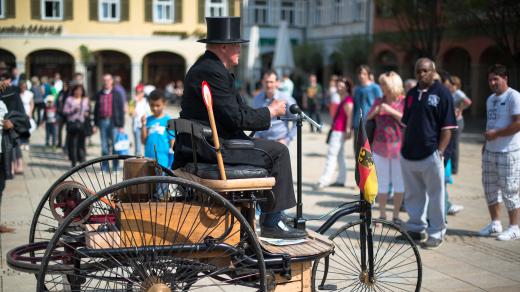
<point x="352" y="52"/>
<point x="421" y="23"/>
<point x="308" y="57"/>
<point x="498" y="19"/>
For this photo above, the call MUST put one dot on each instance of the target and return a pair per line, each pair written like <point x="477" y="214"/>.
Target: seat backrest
<point x="192" y="128"/>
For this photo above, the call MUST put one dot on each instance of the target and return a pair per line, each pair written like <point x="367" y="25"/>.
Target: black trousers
<point x="279" y="167"/>
<point x="3" y="174"/>
<point x="76" y="146"/>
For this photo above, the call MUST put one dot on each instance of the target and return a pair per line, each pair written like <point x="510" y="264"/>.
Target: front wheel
<point x="397" y="263"/>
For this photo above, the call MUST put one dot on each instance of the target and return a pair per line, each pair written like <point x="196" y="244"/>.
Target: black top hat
<point x="223" y="30"/>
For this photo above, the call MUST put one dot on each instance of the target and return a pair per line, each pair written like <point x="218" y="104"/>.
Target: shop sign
<point x="31" y="29"/>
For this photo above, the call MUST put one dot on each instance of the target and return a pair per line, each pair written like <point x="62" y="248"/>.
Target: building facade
<point x="153" y="41"/>
<point x="323" y="22"/>
<point x="465" y="52"/>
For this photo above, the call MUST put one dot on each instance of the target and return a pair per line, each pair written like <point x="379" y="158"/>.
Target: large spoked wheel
<point x="153" y="233"/>
<point x="94" y="175"/>
<point x="397" y="263"/>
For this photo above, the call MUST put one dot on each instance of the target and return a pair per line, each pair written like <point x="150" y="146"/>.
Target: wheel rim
<point x="144" y="246"/>
<point x="397" y="263"/>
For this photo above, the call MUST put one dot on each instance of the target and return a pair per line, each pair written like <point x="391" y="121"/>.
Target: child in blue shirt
<point x="154" y="131"/>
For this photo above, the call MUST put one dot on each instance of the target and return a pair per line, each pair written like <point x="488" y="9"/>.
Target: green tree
<point x="352" y="52"/>
<point x="308" y="57"/>
<point x="498" y="19"/>
<point x="421" y="24"/>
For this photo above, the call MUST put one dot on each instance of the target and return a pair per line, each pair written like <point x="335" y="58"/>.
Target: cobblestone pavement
<point x="465" y="262"/>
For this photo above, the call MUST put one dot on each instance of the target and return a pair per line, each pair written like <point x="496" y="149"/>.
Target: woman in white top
<point x="141" y="108"/>
<point x="27" y="98"/>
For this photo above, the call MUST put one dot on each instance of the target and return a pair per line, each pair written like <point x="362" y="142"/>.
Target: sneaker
<point x="282" y="231"/>
<point x="511" y="233"/>
<point x="454" y="209"/>
<point x="318" y="186"/>
<point x="398" y="222"/>
<point x="490" y="229"/>
<point x="416" y="236"/>
<point x="432" y="243"/>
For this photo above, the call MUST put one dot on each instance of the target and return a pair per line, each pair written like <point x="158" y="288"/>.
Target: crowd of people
<point x="414" y="128"/>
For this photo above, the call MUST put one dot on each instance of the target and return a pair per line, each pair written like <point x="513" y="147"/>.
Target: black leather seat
<point x="210" y="171"/>
<point x="200" y="134"/>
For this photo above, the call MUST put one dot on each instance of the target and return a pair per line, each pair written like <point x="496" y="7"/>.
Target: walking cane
<point x="208" y="101"/>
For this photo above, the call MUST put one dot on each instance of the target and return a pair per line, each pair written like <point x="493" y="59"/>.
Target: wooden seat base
<point x="230" y="185"/>
<point x="301" y="272"/>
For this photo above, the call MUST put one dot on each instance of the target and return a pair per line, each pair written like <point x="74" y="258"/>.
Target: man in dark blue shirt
<point x="429" y="119"/>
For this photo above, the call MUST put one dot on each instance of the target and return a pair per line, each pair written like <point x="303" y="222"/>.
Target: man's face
<point x="497" y="83"/>
<point x="363" y="76"/>
<point x="108" y="81"/>
<point x="270" y="84"/>
<point x="424" y="73"/>
<point x="232" y="53"/>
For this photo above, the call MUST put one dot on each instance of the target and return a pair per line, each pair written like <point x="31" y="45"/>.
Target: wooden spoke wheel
<point x="184" y="237"/>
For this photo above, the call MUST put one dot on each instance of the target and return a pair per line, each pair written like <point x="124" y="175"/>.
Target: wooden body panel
<point x="169" y="223"/>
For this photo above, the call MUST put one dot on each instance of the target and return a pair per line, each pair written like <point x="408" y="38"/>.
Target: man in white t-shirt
<point x="501" y="155"/>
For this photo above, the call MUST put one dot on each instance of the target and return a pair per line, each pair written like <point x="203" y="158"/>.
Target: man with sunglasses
<point x="428" y="119"/>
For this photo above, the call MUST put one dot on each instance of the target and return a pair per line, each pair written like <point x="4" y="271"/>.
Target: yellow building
<point x="149" y="40"/>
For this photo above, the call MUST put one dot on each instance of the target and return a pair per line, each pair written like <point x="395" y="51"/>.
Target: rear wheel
<point x="397" y="263"/>
<point x="182" y="236"/>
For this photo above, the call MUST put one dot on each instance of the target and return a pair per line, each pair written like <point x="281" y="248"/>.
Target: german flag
<point x="366" y="177"/>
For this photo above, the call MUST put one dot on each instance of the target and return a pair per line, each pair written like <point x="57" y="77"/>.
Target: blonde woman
<point x="387" y="113"/>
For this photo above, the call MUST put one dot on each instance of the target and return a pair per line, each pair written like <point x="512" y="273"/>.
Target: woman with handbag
<point x="341" y="130"/>
<point x="77" y="111"/>
<point x="387" y="113"/>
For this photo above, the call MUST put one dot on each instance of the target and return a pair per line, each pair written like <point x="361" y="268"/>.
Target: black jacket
<point x="10" y="138"/>
<point x="118" y="109"/>
<point x="232" y="114"/>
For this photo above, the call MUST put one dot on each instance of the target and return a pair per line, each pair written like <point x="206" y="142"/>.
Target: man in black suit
<point x="233" y="116"/>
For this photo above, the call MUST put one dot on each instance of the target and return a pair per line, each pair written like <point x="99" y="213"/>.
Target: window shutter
<point x="35" y="9"/>
<point x="148" y="11"/>
<point x="68" y="10"/>
<point x="125" y="10"/>
<point x="93" y="10"/>
<point x="178" y="11"/>
<point x="10" y="9"/>
<point x="202" y="11"/>
<point x="231" y="5"/>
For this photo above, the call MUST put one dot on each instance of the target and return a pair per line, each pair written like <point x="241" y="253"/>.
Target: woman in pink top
<point x="387" y="112"/>
<point x="341" y="131"/>
<point x="76" y="110"/>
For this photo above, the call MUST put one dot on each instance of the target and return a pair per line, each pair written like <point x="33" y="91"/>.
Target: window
<point x="52" y="9"/>
<point x="260" y="9"/>
<point x="287" y="11"/>
<point x="359" y="10"/>
<point x="216" y="8"/>
<point x="163" y="11"/>
<point x="338" y="9"/>
<point x="109" y="10"/>
<point x="319" y="14"/>
<point x="2" y="9"/>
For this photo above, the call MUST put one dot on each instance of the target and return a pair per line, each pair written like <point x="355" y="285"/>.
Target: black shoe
<point x="431" y="243"/>
<point x="337" y="185"/>
<point x="282" y="231"/>
<point x="416" y="236"/>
